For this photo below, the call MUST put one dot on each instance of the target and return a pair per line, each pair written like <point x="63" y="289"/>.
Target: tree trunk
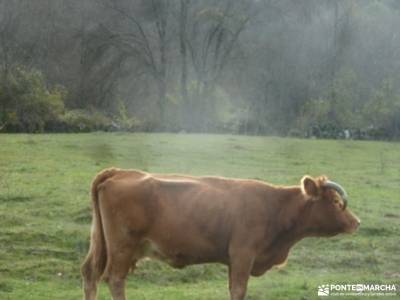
<point x="161" y="25"/>
<point x="162" y="97"/>
<point x="187" y="104"/>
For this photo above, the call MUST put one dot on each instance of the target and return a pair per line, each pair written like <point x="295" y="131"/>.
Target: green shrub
<point x="382" y="112"/>
<point x="84" y="121"/>
<point x="124" y="121"/>
<point x="27" y="103"/>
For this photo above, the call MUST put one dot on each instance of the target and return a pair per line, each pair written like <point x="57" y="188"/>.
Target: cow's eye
<point x="336" y="201"/>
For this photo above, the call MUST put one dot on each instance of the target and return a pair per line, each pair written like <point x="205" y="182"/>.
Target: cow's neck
<point x="293" y="213"/>
<point x="291" y="226"/>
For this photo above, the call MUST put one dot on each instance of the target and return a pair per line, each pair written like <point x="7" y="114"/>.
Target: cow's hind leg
<point x="91" y="276"/>
<point x="118" y="266"/>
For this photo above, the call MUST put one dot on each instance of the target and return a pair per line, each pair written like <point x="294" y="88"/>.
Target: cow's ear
<point x="309" y="186"/>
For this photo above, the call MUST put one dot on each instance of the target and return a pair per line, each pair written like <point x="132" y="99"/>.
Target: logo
<point x="323" y="290"/>
<point x="359" y="289"/>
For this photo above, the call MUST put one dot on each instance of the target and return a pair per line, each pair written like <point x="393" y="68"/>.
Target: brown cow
<point x="247" y="225"/>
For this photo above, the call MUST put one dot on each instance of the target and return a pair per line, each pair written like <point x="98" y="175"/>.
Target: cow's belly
<point x="185" y="239"/>
<point x="177" y="256"/>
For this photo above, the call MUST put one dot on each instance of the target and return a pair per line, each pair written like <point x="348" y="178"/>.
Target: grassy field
<point x="45" y="211"/>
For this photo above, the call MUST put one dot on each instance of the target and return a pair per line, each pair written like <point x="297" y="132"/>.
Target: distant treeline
<point x="312" y="68"/>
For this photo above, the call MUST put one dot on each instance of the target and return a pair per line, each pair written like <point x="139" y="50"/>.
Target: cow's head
<point x="327" y="212"/>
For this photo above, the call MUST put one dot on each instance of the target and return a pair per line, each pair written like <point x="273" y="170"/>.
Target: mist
<point x="299" y="68"/>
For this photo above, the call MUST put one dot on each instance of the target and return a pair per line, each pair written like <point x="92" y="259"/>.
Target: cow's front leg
<point x="241" y="263"/>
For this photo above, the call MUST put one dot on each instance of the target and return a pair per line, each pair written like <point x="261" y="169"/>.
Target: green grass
<point x="45" y="210"/>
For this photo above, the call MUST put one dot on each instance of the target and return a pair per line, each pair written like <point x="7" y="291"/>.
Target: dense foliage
<point x="27" y="104"/>
<point x="302" y="68"/>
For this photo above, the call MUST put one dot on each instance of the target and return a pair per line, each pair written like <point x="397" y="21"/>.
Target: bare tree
<point x="214" y="31"/>
<point x="146" y="38"/>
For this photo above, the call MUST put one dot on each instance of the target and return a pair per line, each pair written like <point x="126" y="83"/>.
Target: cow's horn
<point x="338" y="188"/>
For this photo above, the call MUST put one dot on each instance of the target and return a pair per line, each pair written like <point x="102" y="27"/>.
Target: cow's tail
<point x="93" y="267"/>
